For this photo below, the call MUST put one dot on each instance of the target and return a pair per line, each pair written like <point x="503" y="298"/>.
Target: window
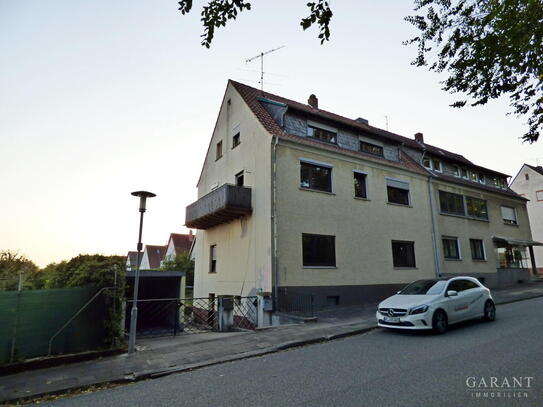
<point x="213" y="259"/>
<point x="461" y="285"/>
<point x="495" y="182"/>
<point x="371" y="148"/>
<point x="436" y="164"/>
<point x="239" y="179"/>
<point x="403" y="254"/>
<point x="360" y="185"/>
<point x="503" y="183"/>
<point x="236" y="139"/>
<point x="316" y="177"/>
<point x="452" y="204"/>
<point x="481" y="178"/>
<point x="464" y="173"/>
<point x="509" y="215"/>
<point x="539" y="195"/>
<point x="451" y="249"/>
<point x="432" y="164"/>
<point x="218" y="151"/>
<point x="477" y="249"/>
<point x="473" y="176"/>
<point x="476" y="208"/>
<point x="398" y="192"/>
<point x="456" y="171"/>
<point x="321" y="134"/>
<point x="527" y="176"/>
<point x="318" y="250"/>
<point x="427" y="163"/>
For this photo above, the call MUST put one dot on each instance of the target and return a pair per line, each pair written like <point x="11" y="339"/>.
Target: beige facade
<point x="243" y="246"/>
<point x="363" y="228"/>
<point x="466" y="228"/>
<point x="241" y="253"/>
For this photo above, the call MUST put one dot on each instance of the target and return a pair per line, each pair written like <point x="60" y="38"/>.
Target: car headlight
<point x="421" y="309"/>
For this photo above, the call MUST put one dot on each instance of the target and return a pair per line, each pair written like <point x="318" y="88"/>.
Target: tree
<point x="489" y="48"/>
<point x="12" y="264"/>
<point x="181" y="262"/>
<point x="217" y="13"/>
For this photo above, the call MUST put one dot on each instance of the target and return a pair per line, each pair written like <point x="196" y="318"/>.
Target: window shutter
<point x="508" y="213"/>
<point x="398" y="184"/>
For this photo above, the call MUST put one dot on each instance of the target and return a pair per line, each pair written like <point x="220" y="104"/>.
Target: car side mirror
<point x="452" y="293"/>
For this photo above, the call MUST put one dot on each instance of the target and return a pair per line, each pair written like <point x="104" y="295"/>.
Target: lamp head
<point x="143" y="195"/>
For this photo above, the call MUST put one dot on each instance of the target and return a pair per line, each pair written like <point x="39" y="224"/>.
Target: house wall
<point x="465" y="228"/>
<point x="363" y="229"/>
<point x="170" y="251"/>
<point x="243" y="245"/>
<point x="144" y="265"/>
<point x="528" y="189"/>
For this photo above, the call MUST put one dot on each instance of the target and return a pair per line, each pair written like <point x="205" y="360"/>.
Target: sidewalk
<point x="161" y="356"/>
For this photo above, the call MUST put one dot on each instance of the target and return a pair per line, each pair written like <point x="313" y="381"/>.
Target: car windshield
<point x="424" y="287"/>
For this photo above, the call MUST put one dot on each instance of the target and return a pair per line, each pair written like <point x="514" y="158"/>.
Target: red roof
<point x="181" y="242"/>
<point x="250" y="95"/>
<point x="155" y="254"/>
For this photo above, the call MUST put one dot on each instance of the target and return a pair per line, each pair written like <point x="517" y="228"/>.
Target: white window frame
<point x="440" y="165"/>
<point x="456" y="171"/>
<point x="514" y="212"/>
<point x="484" y="249"/>
<point x="365" y="181"/>
<point x="458" y="247"/>
<point x="539" y="195"/>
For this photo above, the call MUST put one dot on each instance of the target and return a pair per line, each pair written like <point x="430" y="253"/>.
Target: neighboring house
<point x="529" y="183"/>
<point x="131" y="260"/>
<point x="177" y="244"/>
<point x="152" y="256"/>
<point x="295" y="200"/>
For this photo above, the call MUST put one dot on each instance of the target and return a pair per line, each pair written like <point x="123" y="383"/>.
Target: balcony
<point x="224" y="204"/>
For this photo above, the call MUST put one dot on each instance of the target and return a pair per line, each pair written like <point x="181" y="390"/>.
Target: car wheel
<point x="490" y="311"/>
<point x="439" y="322"/>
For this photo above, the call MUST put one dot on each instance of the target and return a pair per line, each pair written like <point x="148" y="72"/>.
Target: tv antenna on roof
<point x="261" y="56"/>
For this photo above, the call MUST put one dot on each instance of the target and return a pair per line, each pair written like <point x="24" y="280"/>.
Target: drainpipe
<point x="275" y="276"/>
<point x="435" y="233"/>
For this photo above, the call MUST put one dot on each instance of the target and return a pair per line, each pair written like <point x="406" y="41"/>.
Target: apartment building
<point x="529" y="183"/>
<point x="296" y="200"/>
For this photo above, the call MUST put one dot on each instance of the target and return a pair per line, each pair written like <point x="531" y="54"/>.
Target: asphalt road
<point x="380" y="368"/>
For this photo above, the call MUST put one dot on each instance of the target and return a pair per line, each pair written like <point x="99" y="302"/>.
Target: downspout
<point x="275" y="276"/>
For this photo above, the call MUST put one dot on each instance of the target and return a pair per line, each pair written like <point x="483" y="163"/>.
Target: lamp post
<point x="143" y="195"/>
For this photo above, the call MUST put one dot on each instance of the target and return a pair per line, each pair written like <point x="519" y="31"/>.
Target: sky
<point x="100" y="98"/>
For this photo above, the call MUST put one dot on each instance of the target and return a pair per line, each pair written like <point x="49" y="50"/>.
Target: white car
<point x="437" y="303"/>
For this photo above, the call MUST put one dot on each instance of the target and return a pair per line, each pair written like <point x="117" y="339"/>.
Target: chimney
<point x="313" y="101"/>
<point x="362" y="120"/>
<point x="419" y="137"/>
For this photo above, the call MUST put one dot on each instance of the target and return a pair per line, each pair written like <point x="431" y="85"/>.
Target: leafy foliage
<point x="489" y="48"/>
<point x="181" y="262"/>
<point x="218" y="12"/>
<point x="11" y="265"/>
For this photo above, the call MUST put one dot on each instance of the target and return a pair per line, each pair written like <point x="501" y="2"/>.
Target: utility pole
<point x="261" y="56"/>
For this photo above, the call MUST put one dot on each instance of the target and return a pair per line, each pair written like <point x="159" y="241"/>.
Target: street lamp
<point x="143" y="195"/>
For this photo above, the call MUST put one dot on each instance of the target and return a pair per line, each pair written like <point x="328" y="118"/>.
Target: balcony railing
<point x="224" y="204"/>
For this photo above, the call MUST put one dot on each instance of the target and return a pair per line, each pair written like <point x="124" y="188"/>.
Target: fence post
<point x="18" y="305"/>
<point x="226" y="312"/>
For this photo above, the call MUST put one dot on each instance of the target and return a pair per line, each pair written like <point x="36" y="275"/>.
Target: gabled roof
<point x="460" y="181"/>
<point x="251" y="96"/>
<point x="181" y="242"/>
<point x="155" y="255"/>
<point x="538" y="169"/>
<point x="132" y="258"/>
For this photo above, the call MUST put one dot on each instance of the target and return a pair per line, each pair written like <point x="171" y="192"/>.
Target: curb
<point x="147" y="375"/>
<point x="520" y="299"/>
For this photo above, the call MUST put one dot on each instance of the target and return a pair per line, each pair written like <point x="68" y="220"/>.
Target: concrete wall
<point x="363" y="229"/>
<point x="528" y="189"/>
<point x="243" y="245"/>
<point x="465" y="229"/>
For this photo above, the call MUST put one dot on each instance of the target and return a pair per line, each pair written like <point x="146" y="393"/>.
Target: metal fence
<point x="295" y="303"/>
<point x="245" y="313"/>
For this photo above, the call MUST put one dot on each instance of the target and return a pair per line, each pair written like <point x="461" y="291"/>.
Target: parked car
<point x="437" y="303"/>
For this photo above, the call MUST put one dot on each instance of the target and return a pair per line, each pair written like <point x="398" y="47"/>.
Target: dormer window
<point x="474" y="176"/>
<point x="369" y="148"/>
<point x="432" y="164"/>
<point x="321" y="134"/>
<point x="464" y="173"/>
<point x="456" y="170"/>
<point x="427" y="163"/>
<point x="436" y="164"/>
<point x="481" y="178"/>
